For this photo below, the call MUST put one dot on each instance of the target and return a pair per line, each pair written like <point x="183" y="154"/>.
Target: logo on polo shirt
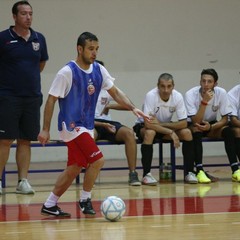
<point x="35" y="46"/>
<point x="104" y="100"/>
<point x="215" y="108"/>
<point x="172" y="109"/>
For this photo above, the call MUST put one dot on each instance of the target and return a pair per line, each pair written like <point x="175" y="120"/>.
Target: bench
<point x="204" y="140"/>
<point x="58" y="143"/>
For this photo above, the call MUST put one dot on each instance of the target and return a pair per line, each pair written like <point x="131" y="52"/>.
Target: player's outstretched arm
<point x="122" y="99"/>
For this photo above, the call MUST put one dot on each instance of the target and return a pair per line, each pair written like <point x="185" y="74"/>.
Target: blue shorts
<point x="104" y="134"/>
<point x="20" y="117"/>
<point x="205" y="133"/>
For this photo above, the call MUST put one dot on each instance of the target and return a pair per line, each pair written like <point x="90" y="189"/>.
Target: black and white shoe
<point x="133" y="179"/>
<point x="86" y="207"/>
<point x="54" y="211"/>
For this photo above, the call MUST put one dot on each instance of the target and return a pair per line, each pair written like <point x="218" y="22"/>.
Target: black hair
<point x="86" y="36"/>
<point x="165" y="76"/>
<point x="15" y="6"/>
<point x="210" y="71"/>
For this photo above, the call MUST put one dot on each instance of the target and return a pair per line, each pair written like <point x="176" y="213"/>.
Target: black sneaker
<point x="54" y="211"/>
<point x="86" y="207"/>
<point x="133" y="179"/>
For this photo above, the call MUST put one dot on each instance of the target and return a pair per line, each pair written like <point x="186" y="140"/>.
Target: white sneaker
<point x="149" y="180"/>
<point x="24" y="187"/>
<point x="191" y="178"/>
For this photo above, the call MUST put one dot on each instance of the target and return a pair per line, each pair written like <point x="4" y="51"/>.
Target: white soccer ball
<point x="113" y="208"/>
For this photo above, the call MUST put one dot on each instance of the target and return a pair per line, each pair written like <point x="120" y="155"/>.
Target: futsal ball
<point x="113" y="208"/>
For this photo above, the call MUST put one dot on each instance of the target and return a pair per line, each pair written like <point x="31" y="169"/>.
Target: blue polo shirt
<point x="19" y="63"/>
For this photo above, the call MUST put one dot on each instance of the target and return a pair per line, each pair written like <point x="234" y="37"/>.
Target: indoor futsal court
<point x="138" y="41"/>
<point x="167" y="211"/>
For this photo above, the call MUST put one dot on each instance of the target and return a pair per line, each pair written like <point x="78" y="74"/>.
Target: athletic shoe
<point x="149" y="180"/>
<point x="86" y="207"/>
<point x="212" y="178"/>
<point x="24" y="187"/>
<point x="202" y="178"/>
<point x="191" y="178"/>
<point x="133" y="179"/>
<point x="236" y="176"/>
<point x="54" y="211"/>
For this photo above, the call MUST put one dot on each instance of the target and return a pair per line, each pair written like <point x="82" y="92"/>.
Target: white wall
<point x="140" y="39"/>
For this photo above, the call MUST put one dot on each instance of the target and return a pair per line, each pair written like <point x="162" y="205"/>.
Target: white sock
<point x="85" y="195"/>
<point x="51" y="201"/>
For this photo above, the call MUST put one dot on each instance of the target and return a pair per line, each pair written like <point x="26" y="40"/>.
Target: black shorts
<point x="103" y="134"/>
<point x="205" y="133"/>
<point x="137" y="129"/>
<point x="20" y="117"/>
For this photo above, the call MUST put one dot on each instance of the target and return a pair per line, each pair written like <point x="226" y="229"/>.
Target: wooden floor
<point x="167" y="211"/>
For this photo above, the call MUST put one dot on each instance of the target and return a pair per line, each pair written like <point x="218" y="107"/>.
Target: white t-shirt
<point x="103" y="99"/>
<point x="218" y="104"/>
<point x="162" y="110"/>
<point x="234" y="98"/>
<point x="61" y="87"/>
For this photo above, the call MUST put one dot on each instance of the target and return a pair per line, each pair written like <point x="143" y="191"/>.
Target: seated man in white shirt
<point x="234" y="98"/>
<point x="161" y="103"/>
<point x="203" y="104"/>
<point x="106" y="129"/>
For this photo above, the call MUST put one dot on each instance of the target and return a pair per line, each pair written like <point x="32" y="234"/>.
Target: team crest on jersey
<point x="172" y="109"/>
<point x="215" y="108"/>
<point x="90" y="88"/>
<point x="72" y="125"/>
<point x="35" y="46"/>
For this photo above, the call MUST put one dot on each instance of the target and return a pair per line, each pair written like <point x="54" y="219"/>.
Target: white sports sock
<point x="85" y="195"/>
<point x="51" y="201"/>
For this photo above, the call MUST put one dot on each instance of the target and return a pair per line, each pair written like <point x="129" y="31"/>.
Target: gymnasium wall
<point x="140" y="39"/>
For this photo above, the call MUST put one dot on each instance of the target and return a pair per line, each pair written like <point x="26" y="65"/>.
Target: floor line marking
<point x="8" y="233"/>
<point x="198" y="224"/>
<point x="161" y="226"/>
<point x="66" y="230"/>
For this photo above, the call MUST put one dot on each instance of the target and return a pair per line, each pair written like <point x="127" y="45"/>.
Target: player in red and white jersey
<point x="204" y="103"/>
<point x="161" y="103"/>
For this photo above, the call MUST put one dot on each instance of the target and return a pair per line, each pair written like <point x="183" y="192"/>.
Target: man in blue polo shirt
<point x="23" y="54"/>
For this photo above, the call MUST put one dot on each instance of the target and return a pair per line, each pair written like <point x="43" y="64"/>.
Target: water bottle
<point x="162" y="173"/>
<point x="165" y="173"/>
<point x="168" y="172"/>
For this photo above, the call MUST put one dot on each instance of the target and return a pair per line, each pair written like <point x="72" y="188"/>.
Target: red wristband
<point x="204" y="103"/>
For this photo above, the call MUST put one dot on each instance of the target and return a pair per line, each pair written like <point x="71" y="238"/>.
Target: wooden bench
<point x="57" y="143"/>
